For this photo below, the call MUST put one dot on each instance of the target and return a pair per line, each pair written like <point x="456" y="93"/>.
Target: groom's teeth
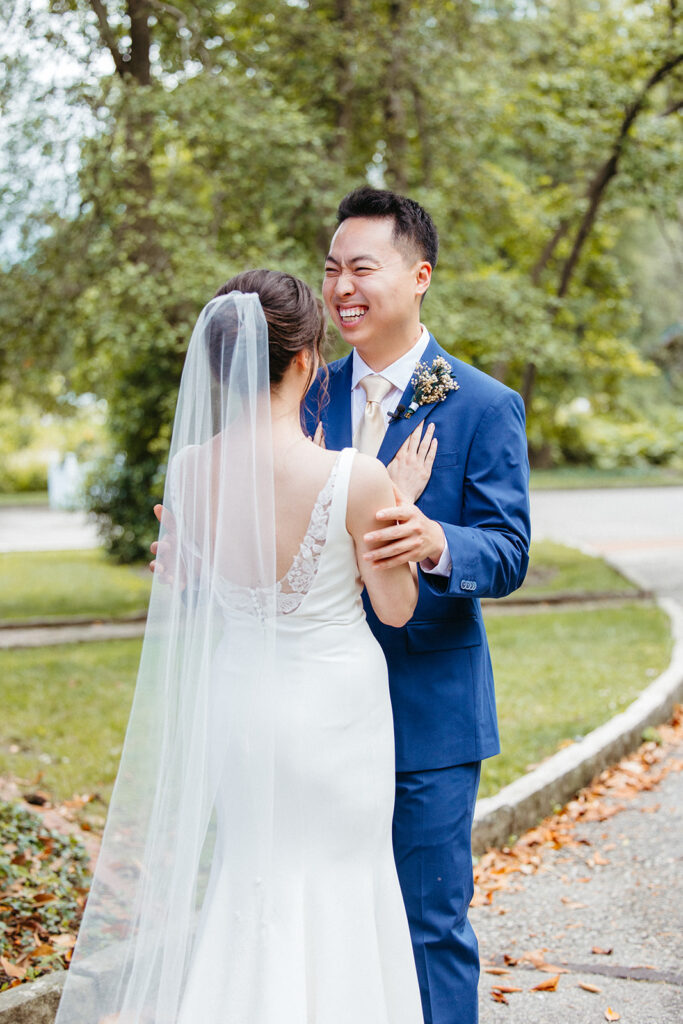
<point x="352" y="314"/>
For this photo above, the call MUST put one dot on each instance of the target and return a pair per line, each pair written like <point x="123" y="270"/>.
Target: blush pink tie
<point x="372" y="427"/>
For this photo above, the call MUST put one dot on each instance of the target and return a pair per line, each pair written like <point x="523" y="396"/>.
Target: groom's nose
<point x="345" y="284"/>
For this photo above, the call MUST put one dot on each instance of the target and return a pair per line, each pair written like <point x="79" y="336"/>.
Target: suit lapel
<point x="399" y="429"/>
<point x="337" y="414"/>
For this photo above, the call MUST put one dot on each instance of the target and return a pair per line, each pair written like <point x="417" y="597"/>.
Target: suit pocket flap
<point x="443" y="636"/>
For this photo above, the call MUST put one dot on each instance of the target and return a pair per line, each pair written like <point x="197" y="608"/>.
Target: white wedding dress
<point x="317" y="934"/>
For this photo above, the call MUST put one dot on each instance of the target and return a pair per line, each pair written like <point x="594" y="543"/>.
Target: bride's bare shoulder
<point x="369" y="484"/>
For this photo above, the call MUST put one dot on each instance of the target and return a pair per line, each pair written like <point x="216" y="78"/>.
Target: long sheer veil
<point x="203" y="688"/>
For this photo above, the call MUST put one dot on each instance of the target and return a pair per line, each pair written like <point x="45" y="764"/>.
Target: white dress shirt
<point x="399" y="373"/>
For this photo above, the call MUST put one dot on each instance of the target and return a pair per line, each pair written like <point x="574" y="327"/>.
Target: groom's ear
<point x="424" y="277"/>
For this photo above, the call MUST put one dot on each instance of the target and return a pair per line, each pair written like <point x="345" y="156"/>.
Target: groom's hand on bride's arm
<point x="404" y="534"/>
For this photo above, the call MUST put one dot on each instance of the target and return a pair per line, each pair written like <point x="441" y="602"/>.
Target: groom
<point x="468" y="530"/>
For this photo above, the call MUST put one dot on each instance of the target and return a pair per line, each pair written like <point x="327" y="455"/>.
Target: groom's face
<point x="373" y="287"/>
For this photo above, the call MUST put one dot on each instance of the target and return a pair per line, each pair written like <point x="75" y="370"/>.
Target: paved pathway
<point x="639" y="529"/>
<point x="44" y="529"/>
<point x="618" y="890"/>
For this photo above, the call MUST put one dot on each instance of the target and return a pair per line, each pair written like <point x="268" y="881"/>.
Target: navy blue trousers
<point x="433" y="851"/>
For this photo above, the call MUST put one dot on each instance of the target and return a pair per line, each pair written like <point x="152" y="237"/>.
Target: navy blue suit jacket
<point x="440" y="673"/>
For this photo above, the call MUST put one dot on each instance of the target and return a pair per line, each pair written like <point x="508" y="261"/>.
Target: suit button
<point x="468" y="585"/>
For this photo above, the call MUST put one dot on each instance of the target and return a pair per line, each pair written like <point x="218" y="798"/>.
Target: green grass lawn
<point x="575" y="477"/>
<point x="64" y="714"/>
<point x="56" y="584"/>
<point x="556" y="569"/>
<point x="561" y="674"/>
<point x="23" y="498"/>
<point x="558" y="675"/>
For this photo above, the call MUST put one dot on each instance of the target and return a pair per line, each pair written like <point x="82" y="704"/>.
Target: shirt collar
<point x="399" y="372"/>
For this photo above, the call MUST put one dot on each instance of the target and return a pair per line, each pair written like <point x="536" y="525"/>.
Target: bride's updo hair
<point x="294" y="316"/>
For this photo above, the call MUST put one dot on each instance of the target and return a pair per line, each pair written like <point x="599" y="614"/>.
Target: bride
<point x="246" y="874"/>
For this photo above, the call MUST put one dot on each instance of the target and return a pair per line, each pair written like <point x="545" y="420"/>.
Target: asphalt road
<point x="640" y="530"/>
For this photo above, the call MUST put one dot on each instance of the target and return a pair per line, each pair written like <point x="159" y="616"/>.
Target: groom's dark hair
<point x="412" y="224"/>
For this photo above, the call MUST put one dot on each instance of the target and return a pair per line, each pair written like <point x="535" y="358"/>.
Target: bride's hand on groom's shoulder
<point x="411" y="467"/>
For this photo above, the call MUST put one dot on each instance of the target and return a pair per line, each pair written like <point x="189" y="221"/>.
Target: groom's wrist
<point x="438" y="550"/>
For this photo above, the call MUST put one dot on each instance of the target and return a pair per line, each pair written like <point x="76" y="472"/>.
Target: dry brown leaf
<point x="553" y="969"/>
<point x="43" y="950"/>
<point x="534" y="956"/>
<point x="586" y="985"/>
<point x="611" y="1014"/>
<point x="498" y="996"/>
<point x="508" y="988"/>
<point x="601" y="952"/>
<point x="549" y="985"/>
<point x="497" y="970"/>
<point x="599" y="859"/>
<point x="12" y="970"/>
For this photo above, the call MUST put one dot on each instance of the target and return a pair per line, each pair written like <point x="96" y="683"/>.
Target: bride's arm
<point x="392" y="592"/>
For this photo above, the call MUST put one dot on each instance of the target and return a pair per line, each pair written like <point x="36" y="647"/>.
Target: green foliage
<point x="30" y="437"/>
<point x="227" y="142"/>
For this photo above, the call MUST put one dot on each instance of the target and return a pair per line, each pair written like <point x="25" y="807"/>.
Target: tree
<point x="219" y="136"/>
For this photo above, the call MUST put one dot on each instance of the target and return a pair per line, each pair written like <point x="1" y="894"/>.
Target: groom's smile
<point x="372" y="289"/>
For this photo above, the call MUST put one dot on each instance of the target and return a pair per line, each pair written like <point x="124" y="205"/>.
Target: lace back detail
<point x="294" y="586"/>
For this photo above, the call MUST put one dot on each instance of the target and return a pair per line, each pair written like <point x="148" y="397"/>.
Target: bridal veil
<point x="215" y="600"/>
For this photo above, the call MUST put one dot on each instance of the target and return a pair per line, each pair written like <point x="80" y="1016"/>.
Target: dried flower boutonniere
<point x="431" y="384"/>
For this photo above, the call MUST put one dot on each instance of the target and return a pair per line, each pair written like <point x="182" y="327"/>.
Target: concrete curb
<point x="35" y="1002"/>
<point x="533" y="796"/>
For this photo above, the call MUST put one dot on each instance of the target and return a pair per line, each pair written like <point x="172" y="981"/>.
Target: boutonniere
<point x="430" y="384"/>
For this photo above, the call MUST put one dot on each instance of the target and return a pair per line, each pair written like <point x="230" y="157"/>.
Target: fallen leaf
<point x="508" y="988"/>
<point x="611" y="1014"/>
<point x="553" y="969"/>
<point x="497" y="970"/>
<point x="12" y="970"/>
<point x="534" y="956"/>
<point x="599" y="859"/>
<point x="601" y="952"/>
<point x="549" y="985"/>
<point x="498" y="997"/>
<point x="43" y="950"/>
<point x="588" y="987"/>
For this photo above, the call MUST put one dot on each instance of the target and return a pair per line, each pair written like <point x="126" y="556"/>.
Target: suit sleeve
<point x="490" y="546"/>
